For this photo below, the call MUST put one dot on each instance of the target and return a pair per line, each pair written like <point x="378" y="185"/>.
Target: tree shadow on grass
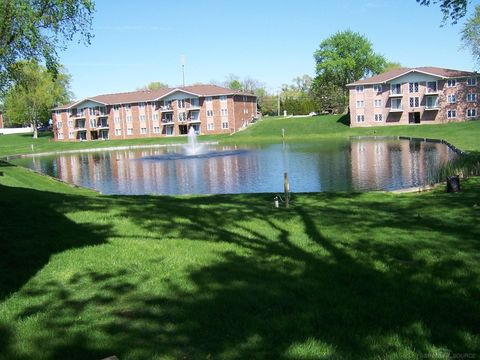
<point x="287" y="293"/>
<point x="345" y="120"/>
<point x="33" y="228"/>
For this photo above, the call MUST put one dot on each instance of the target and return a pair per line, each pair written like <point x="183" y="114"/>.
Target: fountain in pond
<point x="193" y="147"/>
<point x="193" y="150"/>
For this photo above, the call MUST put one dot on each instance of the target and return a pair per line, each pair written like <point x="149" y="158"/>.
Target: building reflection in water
<point x="326" y="166"/>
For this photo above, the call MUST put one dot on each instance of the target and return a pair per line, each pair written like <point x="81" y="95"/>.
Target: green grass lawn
<point x="336" y="276"/>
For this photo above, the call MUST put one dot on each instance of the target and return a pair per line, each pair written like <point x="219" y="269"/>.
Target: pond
<point x="343" y="165"/>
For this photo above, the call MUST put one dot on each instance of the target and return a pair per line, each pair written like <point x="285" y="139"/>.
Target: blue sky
<point x="137" y="42"/>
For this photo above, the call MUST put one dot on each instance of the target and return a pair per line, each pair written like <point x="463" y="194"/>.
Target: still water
<point x="355" y="165"/>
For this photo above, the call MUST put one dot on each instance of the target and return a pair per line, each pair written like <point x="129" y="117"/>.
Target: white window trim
<point x="475" y="81"/>
<point x="359" y="89"/>
<point x="469" y="110"/>
<point x="451" y="86"/>
<point x="449" y="112"/>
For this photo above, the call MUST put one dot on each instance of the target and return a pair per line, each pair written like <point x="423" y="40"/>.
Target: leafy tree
<point x="471" y="34"/>
<point x="36" y="29"/>
<point x="329" y="97"/>
<point x="392" y="65"/>
<point x="154" y="85"/>
<point x="33" y="94"/>
<point x="453" y="9"/>
<point x="235" y="85"/>
<point x="343" y="58"/>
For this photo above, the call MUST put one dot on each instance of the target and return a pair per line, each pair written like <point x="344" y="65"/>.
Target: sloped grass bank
<point x="336" y="276"/>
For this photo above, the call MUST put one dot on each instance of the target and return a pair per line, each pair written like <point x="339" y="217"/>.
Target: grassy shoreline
<point x="337" y="276"/>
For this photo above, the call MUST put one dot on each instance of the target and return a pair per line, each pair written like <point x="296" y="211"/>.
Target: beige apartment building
<point x="423" y="95"/>
<point x="209" y="109"/>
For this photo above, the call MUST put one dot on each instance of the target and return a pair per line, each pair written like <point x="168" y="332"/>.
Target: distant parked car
<point x="42" y="128"/>
<point x="313" y="113"/>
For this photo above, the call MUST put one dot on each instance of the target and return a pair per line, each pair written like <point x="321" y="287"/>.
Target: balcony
<point x="80" y="125"/>
<point x="432" y="108"/>
<point x="396" y="109"/>
<point x="431" y="91"/>
<point x="395" y="93"/>
<point x="165" y="108"/>
<point x="167" y="121"/>
<point x="194" y="120"/>
<point x="102" y="124"/>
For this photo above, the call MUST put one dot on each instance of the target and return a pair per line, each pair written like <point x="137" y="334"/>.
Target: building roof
<point x="428" y="70"/>
<point x="154" y="95"/>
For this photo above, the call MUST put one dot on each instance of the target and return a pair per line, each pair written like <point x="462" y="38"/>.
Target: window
<point x="142" y="118"/>
<point x="155" y="116"/>
<point x="118" y="132"/>
<point x="92" y="123"/>
<point x="116" y="120"/>
<point x="360" y="118"/>
<point x="209" y="113"/>
<point x="396" y="104"/>
<point x="451" y="83"/>
<point x="360" y="103"/>
<point x="396" y="89"/>
<point x="71" y="135"/>
<point x="116" y="107"/>
<point x="378" y="117"/>
<point x="154" y="105"/>
<point x="224" y="124"/>
<point x="210" y="126"/>
<point x="471" y="81"/>
<point x="91" y="111"/>
<point x="377" y="88"/>
<point x="59" y="124"/>
<point x="194" y="102"/>
<point x="141" y="105"/>
<point x="452" y="98"/>
<point x="431" y="86"/>
<point x="245" y="111"/>
<point x="471" y="112"/>
<point x="224" y="112"/>
<point x="414" y="101"/>
<point x="156" y="129"/>
<point x="70" y="123"/>
<point x="127" y="107"/>
<point x="208" y="99"/>
<point x="359" y="89"/>
<point x="129" y="119"/>
<point x="377" y="103"/>
<point x="60" y="135"/>
<point x="129" y="131"/>
<point x="413" y="87"/>
<point x="431" y="102"/>
<point x="245" y="98"/>
<point x="451" y="114"/>
<point x="143" y="130"/>
<point x="181" y="116"/>
<point x="471" y="97"/>
<point x="181" y="103"/>
<point x="223" y="98"/>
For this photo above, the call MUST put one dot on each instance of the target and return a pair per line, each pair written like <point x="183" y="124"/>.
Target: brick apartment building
<point x="209" y="109"/>
<point x="423" y="95"/>
<point x="1" y="120"/>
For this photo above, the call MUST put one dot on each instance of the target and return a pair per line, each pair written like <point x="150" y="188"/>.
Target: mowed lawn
<point x="336" y="276"/>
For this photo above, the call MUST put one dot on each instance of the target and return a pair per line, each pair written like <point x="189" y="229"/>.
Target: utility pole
<point x="182" y="62"/>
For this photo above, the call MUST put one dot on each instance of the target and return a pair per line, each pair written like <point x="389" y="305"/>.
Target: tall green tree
<point x="37" y="29"/>
<point x="343" y="58"/>
<point x="471" y="34"/>
<point x="451" y="9"/>
<point x="34" y="93"/>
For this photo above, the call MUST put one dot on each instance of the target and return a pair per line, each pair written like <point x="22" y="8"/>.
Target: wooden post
<point x="286" y="188"/>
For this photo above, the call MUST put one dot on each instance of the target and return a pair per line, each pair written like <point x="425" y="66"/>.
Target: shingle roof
<point x="429" y="70"/>
<point x="153" y="95"/>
